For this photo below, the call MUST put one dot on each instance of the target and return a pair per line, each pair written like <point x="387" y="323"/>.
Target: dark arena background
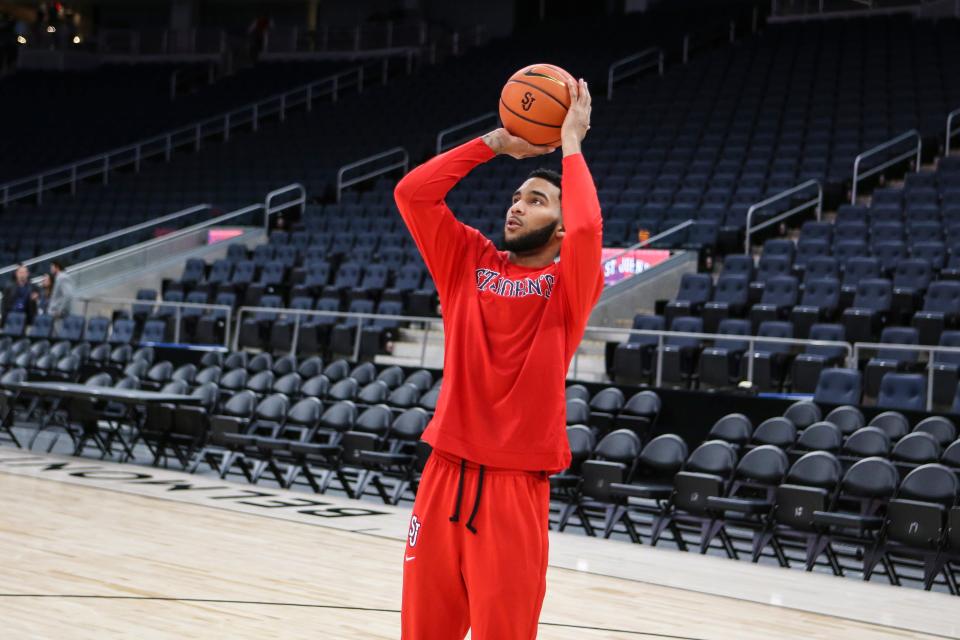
<point x="219" y="344"/>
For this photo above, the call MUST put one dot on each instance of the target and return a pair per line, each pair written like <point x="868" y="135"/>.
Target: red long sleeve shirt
<point x="509" y="331"/>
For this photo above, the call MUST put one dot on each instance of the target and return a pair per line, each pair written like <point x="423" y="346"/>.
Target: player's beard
<point x="531" y="240"/>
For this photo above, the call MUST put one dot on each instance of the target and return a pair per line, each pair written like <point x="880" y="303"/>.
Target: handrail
<point x="932" y="350"/>
<point x="403" y="163"/>
<point x="269" y="209"/>
<point x="164" y="143"/>
<point x="729" y="30"/>
<point x="857" y="176"/>
<point x="750" y="340"/>
<point x="649" y="241"/>
<point x="613" y="77"/>
<point x="298" y="313"/>
<point x="178" y="307"/>
<point x="951" y="132"/>
<point x="786" y="214"/>
<point x="237" y="213"/>
<point x="109" y="236"/>
<point x="440" y="147"/>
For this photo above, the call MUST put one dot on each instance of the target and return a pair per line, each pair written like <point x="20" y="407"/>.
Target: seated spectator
<point x="20" y="295"/>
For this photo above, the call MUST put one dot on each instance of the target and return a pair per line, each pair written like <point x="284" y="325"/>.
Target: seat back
<point x="820" y="436"/>
<point x="875" y="294"/>
<point x="860" y="268"/>
<point x="916" y="448"/>
<point x="734" y="428"/>
<point x="695" y="288"/>
<point x="822" y="293"/>
<point x="866" y="442"/>
<point x="646" y="323"/>
<point x="942" y="429"/>
<point x="732" y="289"/>
<point x="893" y="423"/>
<point x="899" y="336"/>
<point x="913" y="273"/>
<point x="872" y="477"/>
<point x="777" y="431"/>
<point x="907" y="391"/>
<point x="847" y="418"/>
<point x="685" y="324"/>
<point x="943" y="296"/>
<point x="780" y="291"/>
<point x="609" y="400"/>
<point x="838" y="386"/>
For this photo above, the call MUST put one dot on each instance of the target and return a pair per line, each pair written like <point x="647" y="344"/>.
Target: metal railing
<point x="269" y="208"/>
<point x="190" y="135"/>
<point x="929" y="350"/>
<point x="647" y="59"/>
<point x="360" y="37"/>
<point x="86" y="244"/>
<point x="462" y="128"/>
<point x="645" y="243"/>
<point x="147" y="254"/>
<point x="162" y="41"/>
<point x="951" y="131"/>
<point x="178" y="307"/>
<point x="818" y="201"/>
<point x="914" y="152"/>
<point x="403" y="162"/>
<point x="729" y="30"/>
<point x="340" y="316"/>
<point x="751" y="341"/>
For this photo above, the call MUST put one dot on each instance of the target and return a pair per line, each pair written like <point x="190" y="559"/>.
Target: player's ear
<point x="560" y="230"/>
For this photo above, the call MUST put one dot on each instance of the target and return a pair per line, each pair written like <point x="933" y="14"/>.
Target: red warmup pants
<point x="476" y="555"/>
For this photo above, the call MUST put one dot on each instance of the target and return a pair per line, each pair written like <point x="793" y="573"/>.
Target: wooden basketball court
<point x="102" y="550"/>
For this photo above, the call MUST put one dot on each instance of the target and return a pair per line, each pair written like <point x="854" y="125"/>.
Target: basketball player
<point x="476" y="554"/>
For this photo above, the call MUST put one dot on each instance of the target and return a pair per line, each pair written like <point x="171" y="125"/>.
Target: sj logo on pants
<point x="414" y="532"/>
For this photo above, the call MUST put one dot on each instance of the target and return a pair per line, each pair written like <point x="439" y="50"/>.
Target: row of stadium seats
<point x="115" y="105"/>
<point x="802" y="488"/>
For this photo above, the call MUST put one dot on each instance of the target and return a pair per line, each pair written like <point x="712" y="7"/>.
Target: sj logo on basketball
<point x="414" y="533"/>
<point x="527" y="101"/>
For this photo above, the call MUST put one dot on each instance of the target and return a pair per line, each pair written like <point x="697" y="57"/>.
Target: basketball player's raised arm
<point x="420" y="195"/>
<point x="580" y="251"/>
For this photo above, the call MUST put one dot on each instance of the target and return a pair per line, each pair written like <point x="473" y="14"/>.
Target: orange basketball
<point x="534" y="103"/>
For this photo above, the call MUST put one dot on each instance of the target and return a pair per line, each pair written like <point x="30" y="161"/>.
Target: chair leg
<point x="363" y="480"/>
<point x="820" y="545"/>
<point x="760" y="541"/>
<point x="615" y="517"/>
<point x="585" y="521"/>
<point x="568" y="510"/>
<point x="381" y="489"/>
<point x="398" y="491"/>
<point x="931" y="569"/>
<point x="659" y="524"/>
<point x="709" y="532"/>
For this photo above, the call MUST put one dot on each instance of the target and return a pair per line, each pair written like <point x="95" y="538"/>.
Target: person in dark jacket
<point x="21" y="295"/>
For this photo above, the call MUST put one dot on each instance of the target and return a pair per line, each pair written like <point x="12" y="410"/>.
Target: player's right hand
<point x="501" y="141"/>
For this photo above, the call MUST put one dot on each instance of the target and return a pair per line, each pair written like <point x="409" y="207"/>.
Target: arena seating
<point x="832" y="492"/>
<point x="337" y="426"/>
<point x="877" y="273"/>
<point x="116" y="105"/>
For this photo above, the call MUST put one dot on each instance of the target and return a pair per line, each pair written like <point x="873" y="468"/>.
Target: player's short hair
<point x="549" y="175"/>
